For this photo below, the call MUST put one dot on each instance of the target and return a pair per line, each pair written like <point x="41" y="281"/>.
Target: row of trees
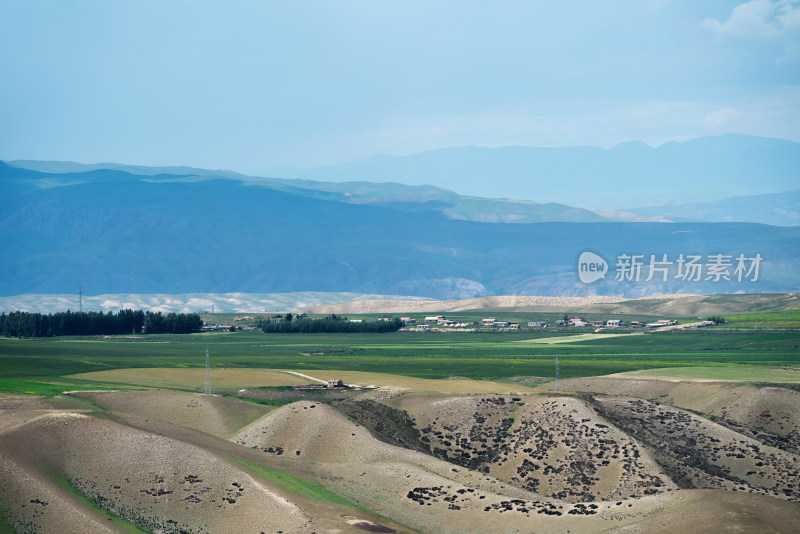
<point x="328" y="324"/>
<point x="26" y="324"/>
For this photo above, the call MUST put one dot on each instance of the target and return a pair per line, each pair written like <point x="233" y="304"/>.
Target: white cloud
<point x="722" y="117"/>
<point x="760" y="19"/>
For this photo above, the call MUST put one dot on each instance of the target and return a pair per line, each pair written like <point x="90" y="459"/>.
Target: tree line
<point x="329" y="324"/>
<point x="27" y="324"/>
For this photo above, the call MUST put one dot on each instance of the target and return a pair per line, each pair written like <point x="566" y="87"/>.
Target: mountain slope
<point x="782" y="209"/>
<point x="20" y="176"/>
<point x="130" y="236"/>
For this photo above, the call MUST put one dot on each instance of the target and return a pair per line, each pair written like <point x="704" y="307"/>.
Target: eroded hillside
<point x="595" y="461"/>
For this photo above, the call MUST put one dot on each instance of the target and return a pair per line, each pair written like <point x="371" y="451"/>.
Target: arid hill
<point x="604" y="454"/>
<point x="655" y="305"/>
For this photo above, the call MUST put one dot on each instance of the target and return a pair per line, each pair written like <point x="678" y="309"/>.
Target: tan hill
<point x="768" y="414"/>
<point x="614" y="458"/>
<point x="555" y="446"/>
<point x="706" y="454"/>
<point x="155" y="482"/>
<point x="218" y="416"/>
<point x="655" y="305"/>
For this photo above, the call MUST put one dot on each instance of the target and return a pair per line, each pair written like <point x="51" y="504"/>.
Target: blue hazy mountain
<point x="117" y="232"/>
<point x="29" y="175"/>
<point x="781" y="209"/>
<point x="630" y="174"/>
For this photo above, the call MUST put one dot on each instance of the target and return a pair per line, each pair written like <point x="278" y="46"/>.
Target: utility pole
<point x="208" y="375"/>
<point x="558" y="376"/>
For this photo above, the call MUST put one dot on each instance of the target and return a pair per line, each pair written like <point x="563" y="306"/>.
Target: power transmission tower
<point x="208" y="375"/>
<point x="558" y="376"/>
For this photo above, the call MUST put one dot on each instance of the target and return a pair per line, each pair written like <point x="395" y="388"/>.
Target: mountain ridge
<point x="590" y="177"/>
<point x="133" y="236"/>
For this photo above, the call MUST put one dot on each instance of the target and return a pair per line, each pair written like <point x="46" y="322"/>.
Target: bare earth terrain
<point x="656" y="305"/>
<point x="605" y="454"/>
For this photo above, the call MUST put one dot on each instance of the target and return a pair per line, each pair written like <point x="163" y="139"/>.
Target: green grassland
<point x="38" y="365"/>
<point x="778" y="320"/>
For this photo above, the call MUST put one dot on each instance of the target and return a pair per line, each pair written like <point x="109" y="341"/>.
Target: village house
<point x="662" y="322"/>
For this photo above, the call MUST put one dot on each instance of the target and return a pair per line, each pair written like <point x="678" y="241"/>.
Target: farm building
<point x="333" y="383"/>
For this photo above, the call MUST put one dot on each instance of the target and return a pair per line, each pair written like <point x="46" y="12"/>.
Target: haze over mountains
<point x="130" y="229"/>
<point x="628" y="175"/>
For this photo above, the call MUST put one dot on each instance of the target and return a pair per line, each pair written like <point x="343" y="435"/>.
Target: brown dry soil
<point x="604" y="455"/>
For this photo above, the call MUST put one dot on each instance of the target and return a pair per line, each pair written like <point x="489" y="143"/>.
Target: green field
<point x="37" y="365"/>
<point x="778" y="320"/>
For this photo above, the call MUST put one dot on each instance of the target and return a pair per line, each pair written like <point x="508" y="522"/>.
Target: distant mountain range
<point x="191" y="231"/>
<point x="630" y="174"/>
<point x="739" y="178"/>
<point x="781" y="209"/>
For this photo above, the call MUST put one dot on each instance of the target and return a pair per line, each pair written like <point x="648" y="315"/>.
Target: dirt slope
<point x="527" y="463"/>
<point x="706" y="454"/>
<point x="555" y="446"/>
<point x="769" y="414"/>
<point x="218" y="416"/>
<point x="152" y="481"/>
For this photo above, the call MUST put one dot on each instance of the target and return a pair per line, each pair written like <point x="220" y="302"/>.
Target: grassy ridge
<point x="298" y="485"/>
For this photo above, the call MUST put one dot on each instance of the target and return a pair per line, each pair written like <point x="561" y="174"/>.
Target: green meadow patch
<point x="118" y="522"/>
<point x="784" y="319"/>
<point x="299" y="485"/>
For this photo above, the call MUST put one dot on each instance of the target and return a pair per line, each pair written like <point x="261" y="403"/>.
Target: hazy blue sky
<point x="250" y="86"/>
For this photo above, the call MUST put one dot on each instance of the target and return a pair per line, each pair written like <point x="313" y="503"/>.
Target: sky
<point x="257" y="85"/>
